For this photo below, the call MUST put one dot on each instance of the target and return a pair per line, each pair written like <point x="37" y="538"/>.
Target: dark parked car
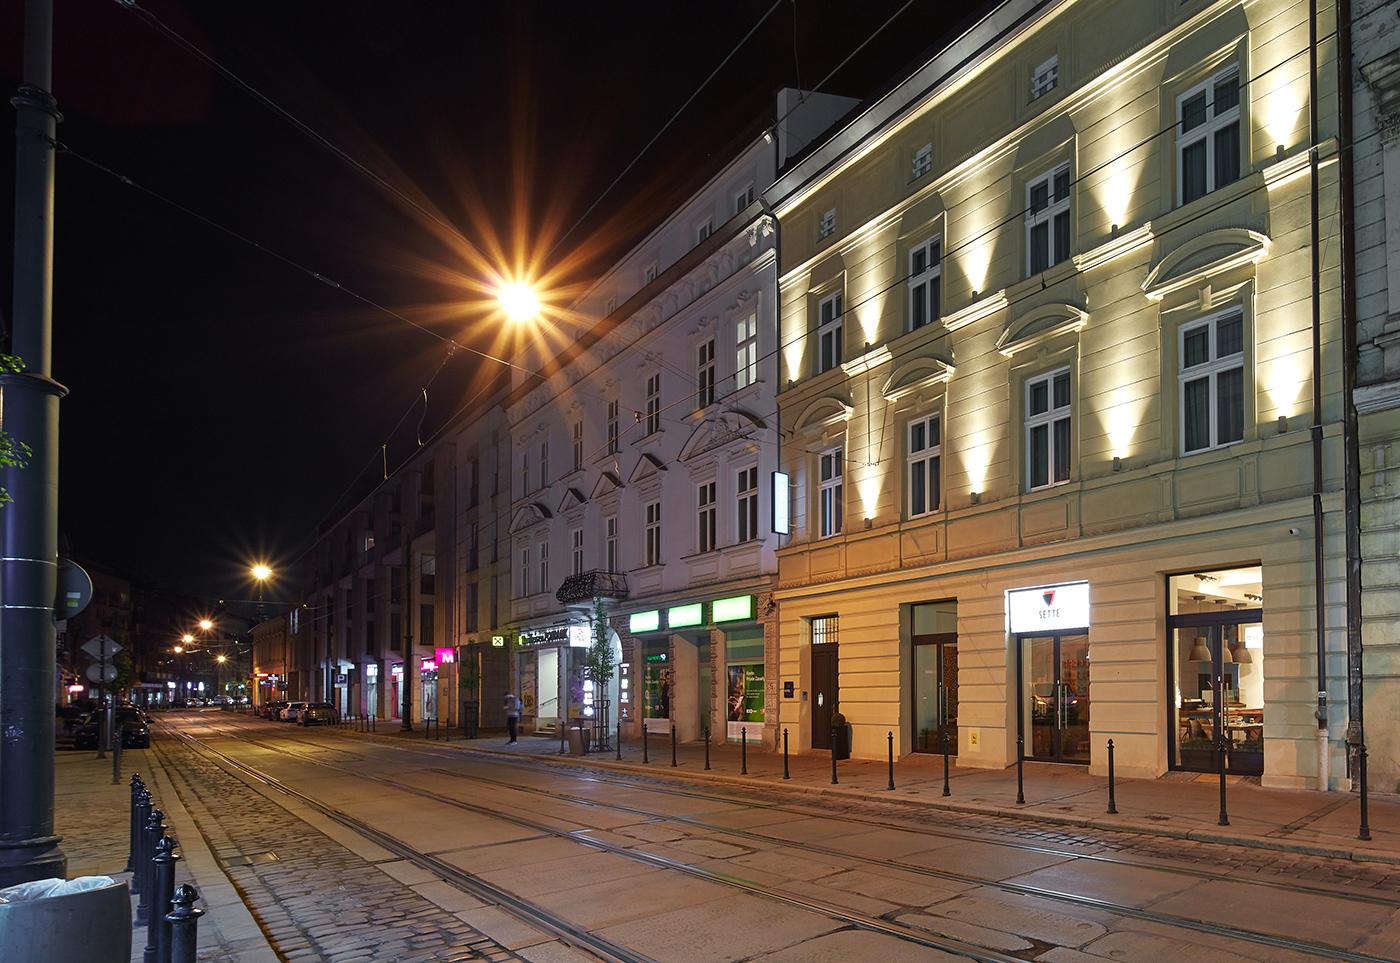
<point x="270" y="710"/>
<point x="131" y="722"/>
<point x="318" y="713"/>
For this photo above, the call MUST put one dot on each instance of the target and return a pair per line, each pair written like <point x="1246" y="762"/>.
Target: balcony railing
<point x="594" y="584"/>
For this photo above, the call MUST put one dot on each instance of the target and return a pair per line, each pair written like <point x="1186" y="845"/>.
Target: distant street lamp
<point x="261" y="573"/>
<point x="519" y="300"/>
<point x="205" y="625"/>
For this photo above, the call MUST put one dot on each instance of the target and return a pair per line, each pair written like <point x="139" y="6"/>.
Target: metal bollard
<point x="183" y="920"/>
<point x="947" y="791"/>
<point x="1364" y="833"/>
<point x="1112" y="804"/>
<point x="833" y="755"/>
<point x="373" y="720"/>
<point x="136" y="786"/>
<point x="117" y="762"/>
<point x="786" y="774"/>
<point x="138" y="840"/>
<point x="154" y="833"/>
<point x="890" y="737"/>
<point x="1020" y="758"/>
<point x="707" y="748"/>
<point x="673" y="745"/>
<point x="427" y="731"/>
<point x="619" y="737"/>
<point x="1224" y="819"/>
<point x="743" y="750"/>
<point x="645" y="758"/>
<point x="158" y="931"/>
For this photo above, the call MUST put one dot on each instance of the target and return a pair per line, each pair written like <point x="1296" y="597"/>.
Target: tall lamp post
<point x="261" y="573"/>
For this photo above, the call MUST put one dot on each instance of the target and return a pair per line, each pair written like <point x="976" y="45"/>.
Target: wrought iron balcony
<point x="594" y="584"/>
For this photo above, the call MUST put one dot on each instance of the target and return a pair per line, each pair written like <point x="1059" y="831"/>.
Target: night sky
<point x="221" y="400"/>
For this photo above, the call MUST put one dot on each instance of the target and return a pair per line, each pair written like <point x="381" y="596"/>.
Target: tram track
<point x="1021" y="889"/>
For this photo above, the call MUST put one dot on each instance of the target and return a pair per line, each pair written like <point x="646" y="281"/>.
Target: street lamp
<point x="519" y="301"/>
<point x="261" y="573"/>
<point x="205" y="625"/>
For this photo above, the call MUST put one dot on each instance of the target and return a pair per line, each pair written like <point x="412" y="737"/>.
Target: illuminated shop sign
<point x="782" y="524"/>
<point x="580" y="636"/>
<point x="1050" y="608"/>
<point x="554" y="635"/>
<point x="444" y="655"/>
<point x="680" y="616"/>
<point x="498" y="641"/>
<point x="645" y="621"/>
<point x="732" y="609"/>
<point x="427" y="665"/>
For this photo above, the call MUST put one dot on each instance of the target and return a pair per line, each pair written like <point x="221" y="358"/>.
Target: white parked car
<point x="291" y="711"/>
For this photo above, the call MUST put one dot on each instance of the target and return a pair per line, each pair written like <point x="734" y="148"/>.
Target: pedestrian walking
<point x="512" y="716"/>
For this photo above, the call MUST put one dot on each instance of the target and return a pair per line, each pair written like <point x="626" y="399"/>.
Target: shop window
<point x="1047" y="220"/>
<point x="829" y="339"/>
<point x="746" y="503"/>
<point x="831" y="493"/>
<point x="1048" y="434"/>
<point x="659" y="681"/>
<point x="925" y="282"/>
<point x="923" y="463"/>
<point x="1211" y="355"/>
<point x="1208" y="135"/>
<point x="744" y="680"/>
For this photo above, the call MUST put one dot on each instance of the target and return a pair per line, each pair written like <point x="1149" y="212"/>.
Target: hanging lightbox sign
<point x="1049" y="608"/>
<point x="778" y="494"/>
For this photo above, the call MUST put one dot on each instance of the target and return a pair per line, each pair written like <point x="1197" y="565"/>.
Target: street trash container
<point x="579" y="739"/>
<point x="87" y="919"/>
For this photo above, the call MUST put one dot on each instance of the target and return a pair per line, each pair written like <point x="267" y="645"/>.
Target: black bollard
<point x="1020" y="758"/>
<point x="117" y="761"/>
<point x="136" y="786"/>
<point x="154" y="832"/>
<point x="1365" y="831"/>
<point x="890" y="787"/>
<point x="183" y="920"/>
<point x="1112" y="804"/>
<point x="673" y="745"/>
<point x="1224" y="819"/>
<point x="707" y="749"/>
<point x="743" y="750"/>
<point x="786" y="774"/>
<point x="645" y="758"/>
<point x="833" y="755"/>
<point x="158" y="931"/>
<point x="947" y="791"/>
<point x="139" y="856"/>
<point x="619" y="737"/>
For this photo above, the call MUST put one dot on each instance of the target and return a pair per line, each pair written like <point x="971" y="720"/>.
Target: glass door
<point x="1220" y="692"/>
<point x="1055" y="700"/>
<point x="935" y="692"/>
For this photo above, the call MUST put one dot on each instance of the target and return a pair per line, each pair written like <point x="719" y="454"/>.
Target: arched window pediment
<point x="822" y="411"/>
<point x="528" y="515"/>
<point x="1203" y="257"/>
<point x="1039" y="325"/>
<point x="917" y="374"/>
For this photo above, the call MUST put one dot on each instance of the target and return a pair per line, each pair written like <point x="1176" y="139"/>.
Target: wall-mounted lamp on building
<point x="768" y="136"/>
<point x="1117" y="463"/>
<point x="974" y="295"/>
<point x="1278" y="152"/>
<point x="867" y="523"/>
<point x="976" y="498"/>
<point x="1282" y="424"/>
<point x="1113" y="230"/>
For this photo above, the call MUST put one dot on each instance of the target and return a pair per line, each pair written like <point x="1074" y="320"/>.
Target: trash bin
<point x="88" y="919"/>
<point x="579" y="739"/>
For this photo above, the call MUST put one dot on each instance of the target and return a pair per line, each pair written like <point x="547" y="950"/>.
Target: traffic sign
<point x="100" y="646"/>
<point x="101" y="672"/>
<point x="74" y="589"/>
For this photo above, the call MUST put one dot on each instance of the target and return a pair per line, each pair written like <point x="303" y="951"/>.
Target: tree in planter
<point x="13" y="452"/>
<point x="598" y="668"/>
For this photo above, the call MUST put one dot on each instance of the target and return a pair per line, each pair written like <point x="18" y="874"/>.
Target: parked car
<point x="290" y="711"/>
<point x="131" y="722"/>
<point x="318" y="713"/>
<point x="272" y="709"/>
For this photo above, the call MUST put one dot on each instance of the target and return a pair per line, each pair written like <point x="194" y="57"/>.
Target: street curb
<point x="1162" y="832"/>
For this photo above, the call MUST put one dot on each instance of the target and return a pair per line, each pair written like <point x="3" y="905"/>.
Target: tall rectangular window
<point x="829" y="340"/>
<point x="1208" y="135"/>
<point x="746" y="503"/>
<point x="473" y="613"/>
<point x="578" y="445"/>
<point x="1047" y="220"/>
<point x="525" y="571"/>
<point x="921" y="162"/>
<point x="1048" y="412"/>
<point x="610" y="542"/>
<point x="652" y="524"/>
<point x="704" y="230"/>
<point x="925" y="282"/>
<point x="577" y="538"/>
<point x="743" y="199"/>
<point x="612" y="427"/>
<point x="653" y="403"/>
<point x="924" y="465"/>
<point x="544" y="566"/>
<point x="831" y="497"/>
<point x="1212" y="382"/>
<point x="1045" y="78"/>
<point x="524" y="472"/>
<point x="544" y="462"/>
<point x="746" y="351"/>
<point x="827" y="225"/>
<point x="705" y="374"/>
<point x="705" y="517"/>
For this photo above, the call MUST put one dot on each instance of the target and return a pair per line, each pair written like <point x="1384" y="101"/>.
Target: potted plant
<point x="840" y="736"/>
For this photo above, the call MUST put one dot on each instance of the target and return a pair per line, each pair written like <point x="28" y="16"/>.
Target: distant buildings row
<point x="1045" y="399"/>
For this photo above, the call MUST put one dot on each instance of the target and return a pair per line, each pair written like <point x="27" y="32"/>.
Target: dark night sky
<point x="220" y="401"/>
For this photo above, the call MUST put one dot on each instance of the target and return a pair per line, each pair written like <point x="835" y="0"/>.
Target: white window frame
<point x="922" y="283"/>
<point x="610" y="542"/>
<point x="1053" y="209"/>
<point x="1211" y="369"/>
<point x="525" y="472"/>
<point x="1047" y="419"/>
<point x="826" y="224"/>
<point x="746" y="350"/>
<point x="651" y="527"/>
<point x="743" y="198"/>
<point x="1045" y="77"/>
<point x="576" y="539"/>
<point x="704" y="229"/>
<point x="706" y="515"/>
<point x="544" y="565"/>
<point x="544" y="462"/>
<point x="921" y="162"/>
<point x="610" y="306"/>
<point x="705" y="373"/>
<point x="524" y="571"/>
<point x="1207" y="130"/>
<point x="831" y="492"/>
<point x="746" y="504"/>
<point x="830" y="329"/>
<point x="653" y="403"/>
<point x="578" y="444"/>
<point x="649" y="273"/>
<point x="931" y="457"/>
<point x="613" y="407"/>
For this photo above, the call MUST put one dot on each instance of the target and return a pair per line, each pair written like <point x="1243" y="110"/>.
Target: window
<point x="824" y="630"/>
<point x="746" y="498"/>
<point x="705" y="374"/>
<point x="610" y="541"/>
<point x="921" y="163"/>
<point x="427" y="571"/>
<point x="544" y="463"/>
<point x="743" y="199"/>
<point x="612" y="427"/>
<point x="1047" y="220"/>
<point x="705" y="517"/>
<point x="925" y="282"/>
<point x="524" y="472"/>
<point x="1208" y="135"/>
<point x="1212" y="382"/>
<point x="746" y="353"/>
<point x="578" y="445"/>
<point x="610" y="307"/>
<point x="653" y="533"/>
<point x="369" y="543"/>
<point x="577" y="538"/>
<point x="829" y="342"/>
<point x="653" y="403"/>
<point x="1045" y="78"/>
<point x="473" y="606"/>
<point x="924" y="461"/>
<point x="827" y="225"/>
<point x="1048" y="429"/>
<point x="831" y="498"/>
<point x="525" y="571"/>
<point x="649" y="273"/>
<point x="544" y="566"/>
<point x="704" y="230"/>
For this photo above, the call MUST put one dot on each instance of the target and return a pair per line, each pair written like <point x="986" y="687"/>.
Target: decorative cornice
<point x="975" y="311"/>
<point x="1372" y="399"/>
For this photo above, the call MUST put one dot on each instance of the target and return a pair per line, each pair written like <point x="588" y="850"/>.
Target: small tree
<point x="13" y="452"/>
<point x="599" y="665"/>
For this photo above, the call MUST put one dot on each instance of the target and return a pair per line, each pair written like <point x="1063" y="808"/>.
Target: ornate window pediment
<point x="527" y="515"/>
<point x="573" y="498"/>
<point x="1203" y="257"/>
<point x="825" y="410"/>
<point x="1039" y="325"/>
<point x="647" y="466"/>
<point x="715" y="432"/>
<point x="606" y="484"/>
<point x="918" y="374"/>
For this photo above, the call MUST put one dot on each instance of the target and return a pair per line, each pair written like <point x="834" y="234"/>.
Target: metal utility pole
<point x="406" y="617"/>
<point x="29" y="567"/>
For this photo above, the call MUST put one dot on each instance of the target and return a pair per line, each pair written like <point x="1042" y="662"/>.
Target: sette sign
<point x="1050" y="608"/>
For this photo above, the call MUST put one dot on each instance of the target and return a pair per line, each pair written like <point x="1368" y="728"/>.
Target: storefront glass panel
<point x="658" y="685"/>
<point x="1055" y="696"/>
<point x="935" y="676"/>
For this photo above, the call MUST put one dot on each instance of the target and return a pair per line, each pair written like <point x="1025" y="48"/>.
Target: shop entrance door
<point x="1054" y="672"/>
<point x="824" y="693"/>
<point x="935" y="692"/>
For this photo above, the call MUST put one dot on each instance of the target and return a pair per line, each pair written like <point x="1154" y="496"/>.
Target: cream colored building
<point x="1047" y="325"/>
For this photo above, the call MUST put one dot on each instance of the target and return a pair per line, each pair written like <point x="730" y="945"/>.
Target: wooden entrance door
<point x="824" y="693"/>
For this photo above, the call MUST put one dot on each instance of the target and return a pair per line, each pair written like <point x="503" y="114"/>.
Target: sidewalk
<point x="94" y="818"/>
<point x="1178" y="805"/>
